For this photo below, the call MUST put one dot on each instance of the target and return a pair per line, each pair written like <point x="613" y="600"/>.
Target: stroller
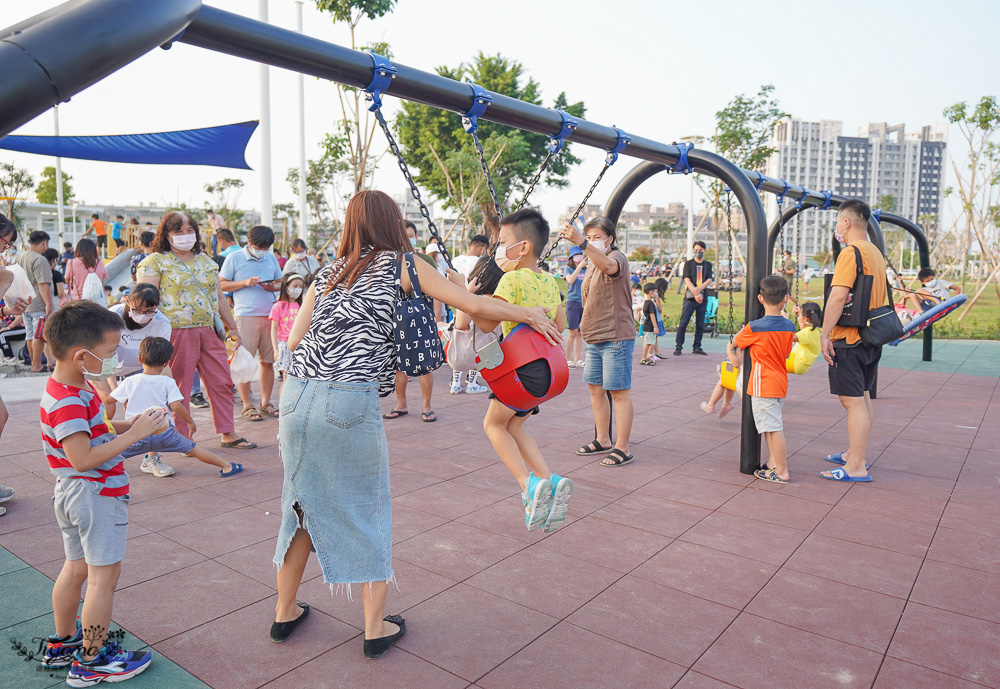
<point x="711" y="316"/>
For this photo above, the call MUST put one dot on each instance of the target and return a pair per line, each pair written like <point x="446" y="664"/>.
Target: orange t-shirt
<point x="100" y="227"/>
<point x="769" y="342"/>
<point x="846" y="272"/>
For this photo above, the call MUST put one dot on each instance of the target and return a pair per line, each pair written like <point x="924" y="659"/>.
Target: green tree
<point x="14" y="183"/>
<point x="354" y="131"/>
<point x="743" y="132"/>
<point x="46" y="191"/>
<point x="887" y="203"/>
<point x="664" y="231"/>
<point x="437" y="145"/>
<point x="225" y="195"/>
<point x="641" y="254"/>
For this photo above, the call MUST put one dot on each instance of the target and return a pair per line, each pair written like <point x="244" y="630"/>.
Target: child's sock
<point x="456" y="378"/>
<point x="473" y="377"/>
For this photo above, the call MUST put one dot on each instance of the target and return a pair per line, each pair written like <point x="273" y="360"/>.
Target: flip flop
<point x="841" y="475"/>
<point x="239" y="444"/>
<point x="771" y="475"/>
<point x="235" y="468"/>
<point x="395" y="414"/>
<point x="839" y="459"/>
<point x="592" y="448"/>
<point x="617" y="458"/>
<point x="428" y="417"/>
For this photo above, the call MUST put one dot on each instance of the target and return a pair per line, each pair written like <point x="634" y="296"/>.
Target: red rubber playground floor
<point x="674" y="571"/>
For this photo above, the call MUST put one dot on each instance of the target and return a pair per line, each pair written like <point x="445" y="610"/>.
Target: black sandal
<point x="617" y="458"/>
<point x="376" y="648"/>
<point x="592" y="448"/>
<point x="280" y="631"/>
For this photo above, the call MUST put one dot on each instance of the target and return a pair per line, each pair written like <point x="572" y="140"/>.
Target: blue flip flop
<point x="236" y="468"/>
<point x="839" y="459"/>
<point x="841" y="475"/>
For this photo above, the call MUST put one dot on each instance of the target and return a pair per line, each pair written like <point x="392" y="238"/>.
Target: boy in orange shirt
<point x="769" y="341"/>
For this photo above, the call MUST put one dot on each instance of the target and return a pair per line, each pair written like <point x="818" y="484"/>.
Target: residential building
<point x="881" y="161"/>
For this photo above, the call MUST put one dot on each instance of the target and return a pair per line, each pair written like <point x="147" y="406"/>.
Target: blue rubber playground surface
<point x="673" y="571"/>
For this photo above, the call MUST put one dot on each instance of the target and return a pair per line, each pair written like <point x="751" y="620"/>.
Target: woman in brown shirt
<point x="608" y="328"/>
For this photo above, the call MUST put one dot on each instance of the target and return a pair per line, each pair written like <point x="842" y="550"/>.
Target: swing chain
<point x="384" y="72"/>
<point x="610" y="159"/>
<point x="534" y="180"/>
<point x="569" y="125"/>
<point x="729" y="239"/>
<point x="481" y="100"/>
<point x="497" y="207"/>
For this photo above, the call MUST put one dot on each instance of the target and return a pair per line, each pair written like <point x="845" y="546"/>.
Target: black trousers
<point x="690" y="306"/>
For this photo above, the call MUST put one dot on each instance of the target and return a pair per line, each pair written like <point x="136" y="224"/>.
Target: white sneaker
<point x="6" y="493"/>
<point x="455" y="389"/>
<point x="581" y="363"/>
<point x="156" y="467"/>
<point x="476" y="389"/>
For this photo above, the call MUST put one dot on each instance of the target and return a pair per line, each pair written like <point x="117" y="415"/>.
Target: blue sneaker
<point x="562" y="489"/>
<point x="537" y="501"/>
<point x="59" y="651"/>
<point x="112" y="664"/>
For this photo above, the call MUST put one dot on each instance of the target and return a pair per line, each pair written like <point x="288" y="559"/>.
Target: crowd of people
<point x="331" y="333"/>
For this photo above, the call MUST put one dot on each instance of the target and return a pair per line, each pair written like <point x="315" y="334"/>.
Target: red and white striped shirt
<point x="66" y="410"/>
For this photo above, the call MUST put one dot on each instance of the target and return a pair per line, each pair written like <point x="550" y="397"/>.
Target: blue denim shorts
<point x="31" y="321"/>
<point x="609" y="364"/>
<point x="336" y="484"/>
<point x="170" y="440"/>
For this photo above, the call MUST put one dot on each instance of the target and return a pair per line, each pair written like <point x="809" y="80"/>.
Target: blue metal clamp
<point x="877" y="214"/>
<point x="826" y="203"/>
<point x="799" y="201"/>
<point x="383" y="76"/>
<point x="569" y="125"/>
<point x="682" y="166"/>
<point x="760" y="181"/>
<point x="623" y="141"/>
<point x="780" y="198"/>
<point x="480" y="101"/>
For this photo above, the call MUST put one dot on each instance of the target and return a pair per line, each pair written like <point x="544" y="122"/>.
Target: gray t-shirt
<point x="39" y="272"/>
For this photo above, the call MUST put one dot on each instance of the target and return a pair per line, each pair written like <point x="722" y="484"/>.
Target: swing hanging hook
<point x="384" y="73"/>
<point x="481" y="100"/>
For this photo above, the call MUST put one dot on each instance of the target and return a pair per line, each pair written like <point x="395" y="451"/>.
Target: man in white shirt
<point x="467" y="261"/>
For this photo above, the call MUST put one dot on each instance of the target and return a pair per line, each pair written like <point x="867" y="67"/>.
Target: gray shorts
<point x="767" y="413"/>
<point x="94" y="526"/>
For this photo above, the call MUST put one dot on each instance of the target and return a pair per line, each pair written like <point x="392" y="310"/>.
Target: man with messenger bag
<point x="859" y="318"/>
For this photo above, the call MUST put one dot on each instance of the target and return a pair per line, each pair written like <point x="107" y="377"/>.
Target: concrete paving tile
<point x="448" y="500"/>
<point x="880" y="531"/>
<point x="895" y="504"/>
<point x="691" y="490"/>
<point x="222" y="533"/>
<point x="895" y="674"/>
<point x="958" y="589"/>
<point x="774" y="507"/>
<point x="456" y="550"/>
<point x="180" y="508"/>
<point x="875" y="569"/>
<point x="648" y="513"/>
<point x="745" y="537"/>
<point x="600" y="542"/>
<point x="966" y="550"/>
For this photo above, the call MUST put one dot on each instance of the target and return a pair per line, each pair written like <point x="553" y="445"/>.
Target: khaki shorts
<point x="255" y="331"/>
<point x="767" y="413"/>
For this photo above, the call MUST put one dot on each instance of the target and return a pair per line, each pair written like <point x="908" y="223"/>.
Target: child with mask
<point x="932" y="290"/>
<point x="282" y="318"/>
<point x="544" y="495"/>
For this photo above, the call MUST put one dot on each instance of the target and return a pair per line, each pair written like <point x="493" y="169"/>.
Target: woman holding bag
<point x="335" y="498"/>
<point x="84" y="263"/>
<point x="191" y="298"/>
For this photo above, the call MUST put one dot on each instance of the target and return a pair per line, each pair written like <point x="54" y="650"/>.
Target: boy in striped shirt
<point x="91" y="492"/>
<point x="769" y="341"/>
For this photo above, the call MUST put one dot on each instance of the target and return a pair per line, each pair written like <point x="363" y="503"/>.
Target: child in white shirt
<point x="151" y="389"/>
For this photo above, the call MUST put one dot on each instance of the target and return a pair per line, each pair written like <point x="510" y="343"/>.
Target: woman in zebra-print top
<point x="335" y="496"/>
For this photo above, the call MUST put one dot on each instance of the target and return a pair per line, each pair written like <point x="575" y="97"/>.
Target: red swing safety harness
<point x="522" y="346"/>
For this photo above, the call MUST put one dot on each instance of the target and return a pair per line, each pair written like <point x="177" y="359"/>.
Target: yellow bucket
<point x="728" y="375"/>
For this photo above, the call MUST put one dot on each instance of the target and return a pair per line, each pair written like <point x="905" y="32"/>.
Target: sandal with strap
<point x="234" y="468"/>
<point x="269" y="410"/>
<point x="239" y="444"/>
<point x="251" y="414"/>
<point x="592" y="448"/>
<point x="616" y="459"/>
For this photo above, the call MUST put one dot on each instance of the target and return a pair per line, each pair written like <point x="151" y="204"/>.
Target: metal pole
<point x="60" y="216"/>
<point x="303" y="206"/>
<point x="266" y="210"/>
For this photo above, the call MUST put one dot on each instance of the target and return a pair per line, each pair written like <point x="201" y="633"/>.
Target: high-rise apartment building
<point x="881" y="161"/>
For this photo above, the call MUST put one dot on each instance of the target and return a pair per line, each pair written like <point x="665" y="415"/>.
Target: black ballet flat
<point x="376" y="648"/>
<point x="280" y="631"/>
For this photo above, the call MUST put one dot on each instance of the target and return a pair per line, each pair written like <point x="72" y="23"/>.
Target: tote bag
<point x="415" y="330"/>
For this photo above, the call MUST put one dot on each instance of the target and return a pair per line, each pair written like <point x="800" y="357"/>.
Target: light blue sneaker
<point x="562" y="490"/>
<point x="537" y="501"/>
<point x="112" y="664"/>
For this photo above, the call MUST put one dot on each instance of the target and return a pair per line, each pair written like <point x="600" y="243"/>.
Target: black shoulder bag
<point x="876" y="327"/>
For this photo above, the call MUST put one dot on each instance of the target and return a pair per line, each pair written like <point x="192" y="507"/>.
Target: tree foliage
<point x="352" y="11"/>
<point x="641" y="254"/>
<point x="429" y="135"/>
<point x="14" y="183"/>
<point x="46" y="191"/>
<point x="225" y="195"/>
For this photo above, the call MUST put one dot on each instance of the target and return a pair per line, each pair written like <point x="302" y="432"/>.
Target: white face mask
<point x="599" y="244"/>
<point x="258" y="253"/>
<point x="294" y="292"/>
<point x="141" y="318"/>
<point x="299" y="256"/>
<point x="413" y="242"/>
<point x="506" y="264"/>
<point x="182" y="242"/>
<point x="931" y="283"/>
<point x="108" y="367"/>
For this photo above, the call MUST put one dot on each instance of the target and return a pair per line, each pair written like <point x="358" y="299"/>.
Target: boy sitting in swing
<point x="545" y="495"/>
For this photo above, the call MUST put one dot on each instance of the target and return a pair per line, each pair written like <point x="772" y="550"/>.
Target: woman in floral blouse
<point x="190" y="296"/>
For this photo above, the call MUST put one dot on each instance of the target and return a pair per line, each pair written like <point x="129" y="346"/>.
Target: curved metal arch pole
<point x="753" y="210"/>
<point x="874" y="229"/>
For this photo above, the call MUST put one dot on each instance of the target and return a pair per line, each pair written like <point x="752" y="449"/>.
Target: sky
<point x="656" y="68"/>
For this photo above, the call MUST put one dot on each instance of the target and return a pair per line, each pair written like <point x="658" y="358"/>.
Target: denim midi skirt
<point x="336" y="484"/>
